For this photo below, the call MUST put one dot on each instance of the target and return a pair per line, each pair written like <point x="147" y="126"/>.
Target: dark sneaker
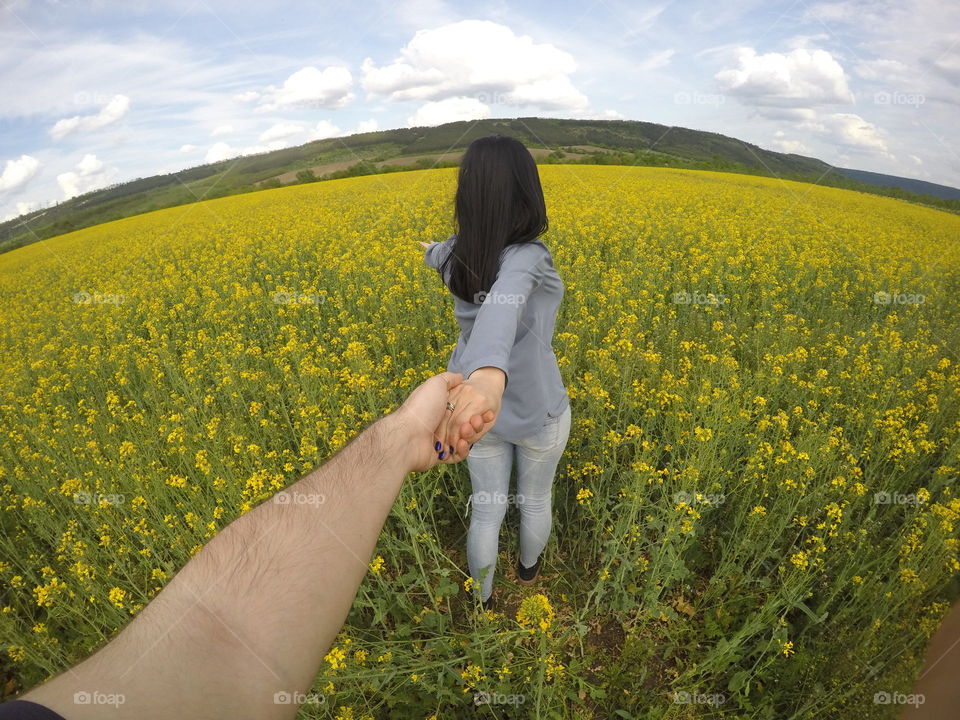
<point x="526" y="576"/>
<point x="488" y="603"/>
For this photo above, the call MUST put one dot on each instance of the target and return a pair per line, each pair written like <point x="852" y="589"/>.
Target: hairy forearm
<point x="256" y="610"/>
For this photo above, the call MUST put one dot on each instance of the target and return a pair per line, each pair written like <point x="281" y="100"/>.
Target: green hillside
<point x="617" y="142"/>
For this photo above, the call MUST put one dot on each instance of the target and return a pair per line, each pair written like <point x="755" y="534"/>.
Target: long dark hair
<point x="499" y="202"/>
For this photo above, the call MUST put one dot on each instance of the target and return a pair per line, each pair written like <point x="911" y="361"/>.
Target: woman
<point x="506" y="295"/>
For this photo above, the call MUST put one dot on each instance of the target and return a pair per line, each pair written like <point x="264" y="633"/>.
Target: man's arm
<point x="255" y="611"/>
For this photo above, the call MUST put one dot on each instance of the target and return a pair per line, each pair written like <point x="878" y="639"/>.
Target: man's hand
<point x="480" y="395"/>
<point x="421" y="422"/>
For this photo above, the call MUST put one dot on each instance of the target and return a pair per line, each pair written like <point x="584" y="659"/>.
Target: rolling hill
<point x="618" y="142"/>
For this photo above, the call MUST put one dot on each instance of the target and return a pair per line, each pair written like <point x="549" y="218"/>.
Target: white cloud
<point x="598" y="115"/>
<point x="221" y="130"/>
<point x="326" y="129"/>
<point x="187" y="148"/>
<point x="657" y="60"/>
<point x="110" y="113"/>
<point x="848" y="131"/>
<point x="279" y="131"/>
<point x="248" y="96"/>
<point x="880" y="69"/>
<point x="310" y="87"/>
<point x="802" y="41"/>
<point x="788" y="146"/>
<point x="17" y="173"/>
<point x="854" y="132"/>
<point x="89" y="175"/>
<point x="800" y="78"/>
<point x="917" y="160"/>
<point x="457" y="62"/>
<point x="224" y="151"/>
<point x="448" y="110"/>
<point x="790" y="114"/>
<point x="22" y="209"/>
<point x="639" y="21"/>
<point x="220" y="151"/>
<point x="611" y="115"/>
<point x="89" y="165"/>
<point x="323" y="130"/>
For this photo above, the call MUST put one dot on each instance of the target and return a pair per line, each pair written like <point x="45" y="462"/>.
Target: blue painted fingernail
<point x="437" y="446"/>
<point x="451" y="449"/>
<point x="442" y="454"/>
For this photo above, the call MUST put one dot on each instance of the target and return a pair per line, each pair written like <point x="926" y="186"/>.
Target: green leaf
<point x="739" y="680"/>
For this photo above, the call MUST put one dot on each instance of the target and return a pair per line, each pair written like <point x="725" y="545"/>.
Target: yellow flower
<point x="117" y="596"/>
<point x="377" y="565"/>
<point x="335" y="657"/>
<point x="584" y="495"/>
<point x="535" y="612"/>
<point x="176" y="481"/>
<point x="908" y="575"/>
<point x="703" y="434"/>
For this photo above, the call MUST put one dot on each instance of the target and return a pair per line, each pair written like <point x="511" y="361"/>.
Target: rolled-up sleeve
<point x="498" y="320"/>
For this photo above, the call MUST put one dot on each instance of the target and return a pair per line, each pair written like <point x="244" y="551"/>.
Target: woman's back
<point x="511" y="327"/>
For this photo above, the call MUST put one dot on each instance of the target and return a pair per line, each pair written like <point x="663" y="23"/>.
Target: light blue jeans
<point x="490" y="462"/>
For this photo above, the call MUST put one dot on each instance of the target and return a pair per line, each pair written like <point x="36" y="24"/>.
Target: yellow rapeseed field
<point x="757" y="507"/>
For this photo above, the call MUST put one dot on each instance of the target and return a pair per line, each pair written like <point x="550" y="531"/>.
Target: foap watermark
<point x="682" y="697"/>
<point x="485" y="298"/>
<point x="88" y="498"/>
<point x="298" y="698"/>
<point x="496" y="98"/>
<point x="881" y="297"/>
<point x="486" y="698"/>
<point x="294" y="497"/>
<point x="85" y="98"/>
<point x="699" y="298"/>
<point x="685" y="498"/>
<point x="697" y="98"/>
<point x="898" y="98"/>
<point x="887" y="498"/>
<point x="898" y="698"/>
<point x="496" y="498"/>
<point x="298" y="298"/>
<point x="95" y="697"/>
<point x="97" y="298"/>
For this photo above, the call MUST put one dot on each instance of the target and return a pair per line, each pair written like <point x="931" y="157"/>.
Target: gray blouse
<point x="511" y="328"/>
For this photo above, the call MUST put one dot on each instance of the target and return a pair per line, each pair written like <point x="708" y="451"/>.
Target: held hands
<point x="478" y="396"/>
<point x="423" y="422"/>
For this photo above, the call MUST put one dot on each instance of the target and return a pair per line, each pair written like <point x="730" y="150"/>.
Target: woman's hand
<point x="423" y="244"/>
<point x="416" y="428"/>
<point x="477" y="397"/>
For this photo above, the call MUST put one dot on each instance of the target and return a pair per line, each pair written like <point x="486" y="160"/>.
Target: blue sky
<point x="96" y="93"/>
